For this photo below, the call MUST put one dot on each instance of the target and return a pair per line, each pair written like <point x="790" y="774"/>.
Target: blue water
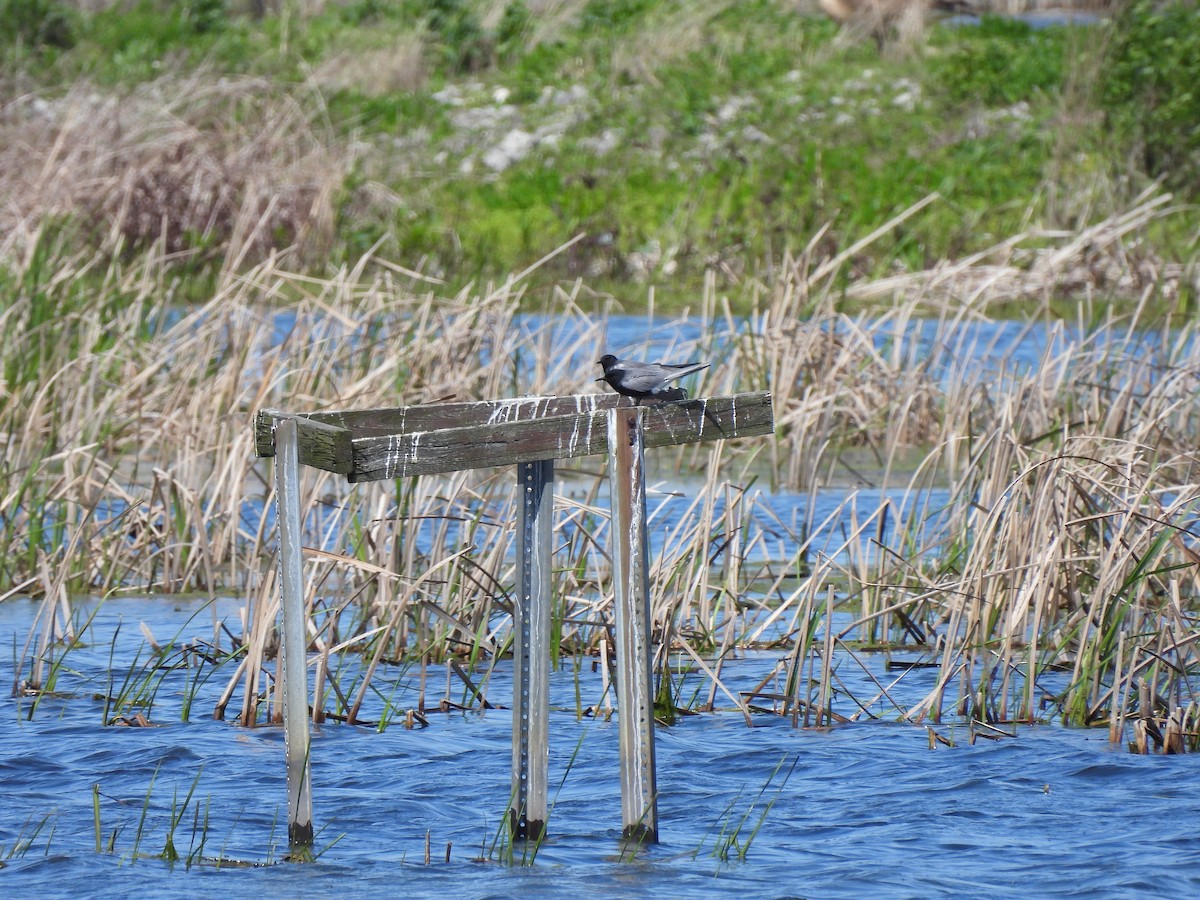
<point x="992" y="346"/>
<point x="863" y="808"/>
<point x="774" y="523"/>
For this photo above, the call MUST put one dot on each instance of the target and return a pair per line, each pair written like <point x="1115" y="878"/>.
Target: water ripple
<point x="865" y="808"/>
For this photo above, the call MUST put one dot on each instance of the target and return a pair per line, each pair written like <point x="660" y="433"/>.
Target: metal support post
<point x="531" y="628"/>
<point x="296" y="737"/>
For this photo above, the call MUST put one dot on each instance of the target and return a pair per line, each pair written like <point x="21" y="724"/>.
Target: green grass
<point x="999" y="61"/>
<point x="736" y="131"/>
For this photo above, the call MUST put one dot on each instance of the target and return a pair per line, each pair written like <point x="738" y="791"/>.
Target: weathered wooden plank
<point x="429" y="417"/>
<point x="385" y="421"/>
<point x="452" y="449"/>
<point x="321" y="445"/>
<point x="264" y="431"/>
<point x="709" y="419"/>
<point x="628" y="549"/>
<point x="555" y="437"/>
<point x="364" y="445"/>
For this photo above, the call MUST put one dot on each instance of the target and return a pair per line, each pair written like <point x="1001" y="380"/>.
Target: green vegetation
<point x="1151" y="90"/>
<point x="999" y="61"/>
<point x="37" y="26"/>
<point x="732" y="844"/>
<point x="469" y="139"/>
<point x="167" y="169"/>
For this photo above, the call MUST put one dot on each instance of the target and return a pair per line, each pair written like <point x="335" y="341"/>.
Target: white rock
<point x="513" y="147"/>
<point x="604" y="143"/>
<point x="752" y="135"/>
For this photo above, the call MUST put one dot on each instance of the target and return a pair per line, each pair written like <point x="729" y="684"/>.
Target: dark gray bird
<point x="646" y="381"/>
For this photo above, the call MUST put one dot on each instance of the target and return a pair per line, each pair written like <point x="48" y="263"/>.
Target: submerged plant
<point x="27" y="837"/>
<point x="737" y="831"/>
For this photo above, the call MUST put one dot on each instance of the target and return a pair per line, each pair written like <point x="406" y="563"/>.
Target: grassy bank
<point x="468" y="140"/>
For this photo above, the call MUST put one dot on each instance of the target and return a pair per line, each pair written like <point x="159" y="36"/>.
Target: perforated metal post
<point x="296" y="737"/>
<point x="531" y="626"/>
<point x="631" y="580"/>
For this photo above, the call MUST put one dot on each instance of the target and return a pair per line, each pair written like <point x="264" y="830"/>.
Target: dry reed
<point x="231" y="167"/>
<point x="1065" y="546"/>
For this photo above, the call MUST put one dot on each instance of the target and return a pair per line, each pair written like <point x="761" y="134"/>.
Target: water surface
<point x="865" y="807"/>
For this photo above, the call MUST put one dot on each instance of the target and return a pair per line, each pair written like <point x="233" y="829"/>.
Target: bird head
<point x="604" y="362"/>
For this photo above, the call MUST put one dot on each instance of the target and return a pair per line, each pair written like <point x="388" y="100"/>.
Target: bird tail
<point x="686" y="369"/>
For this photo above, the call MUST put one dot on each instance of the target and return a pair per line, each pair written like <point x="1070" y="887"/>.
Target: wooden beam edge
<point x="321" y="445"/>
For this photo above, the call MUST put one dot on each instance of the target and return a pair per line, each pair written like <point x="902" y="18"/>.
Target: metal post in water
<point x="296" y="738"/>
<point x="531" y="653"/>
<point x="631" y="580"/>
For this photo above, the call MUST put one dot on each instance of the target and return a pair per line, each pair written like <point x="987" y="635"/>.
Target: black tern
<point x="646" y="381"/>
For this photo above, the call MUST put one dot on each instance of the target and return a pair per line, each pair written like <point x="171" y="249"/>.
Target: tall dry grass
<point x="234" y="168"/>
<point x="1065" y="546"/>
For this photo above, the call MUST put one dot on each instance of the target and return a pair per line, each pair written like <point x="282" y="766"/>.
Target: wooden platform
<point x="377" y="444"/>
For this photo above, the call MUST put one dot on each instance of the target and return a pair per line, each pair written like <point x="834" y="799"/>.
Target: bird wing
<point x="650" y="378"/>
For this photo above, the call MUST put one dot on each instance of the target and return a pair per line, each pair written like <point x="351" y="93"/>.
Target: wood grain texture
<point x="400" y="420"/>
<point x="370" y="445"/>
<point x="321" y="445"/>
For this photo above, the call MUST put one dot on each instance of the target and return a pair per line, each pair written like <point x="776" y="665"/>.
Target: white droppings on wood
<point x="503" y="409"/>
<point x="536" y="427"/>
<point x="394" y="452"/>
<point x="588" y="403"/>
<point x="581" y="428"/>
<point x="514" y="409"/>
